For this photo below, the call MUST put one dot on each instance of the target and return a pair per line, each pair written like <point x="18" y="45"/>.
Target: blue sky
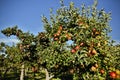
<point x="27" y="14"/>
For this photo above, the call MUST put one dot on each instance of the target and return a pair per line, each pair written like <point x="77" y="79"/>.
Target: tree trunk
<point x="22" y="72"/>
<point x="47" y="74"/>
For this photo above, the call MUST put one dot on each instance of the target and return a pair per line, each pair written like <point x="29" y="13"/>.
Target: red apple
<point x="113" y="74"/>
<point x="55" y="39"/>
<point x="73" y="50"/>
<point x="77" y="47"/>
<point x="81" y="44"/>
<point x="94" y="52"/>
<point x="102" y="71"/>
<point x="55" y="35"/>
<point x="94" y="30"/>
<point x="58" y="34"/>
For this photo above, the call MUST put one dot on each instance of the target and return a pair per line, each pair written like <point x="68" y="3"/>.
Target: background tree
<point x="24" y="51"/>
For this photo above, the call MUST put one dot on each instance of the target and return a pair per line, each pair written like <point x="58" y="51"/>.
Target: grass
<point x="30" y="76"/>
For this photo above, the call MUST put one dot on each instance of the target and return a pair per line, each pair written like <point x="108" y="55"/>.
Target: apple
<point x="77" y="47"/>
<point x="94" y="52"/>
<point x="94" y="30"/>
<point x="55" y="35"/>
<point x="58" y="34"/>
<point x="113" y="74"/>
<point x="73" y="50"/>
<point x="93" y="68"/>
<point x="55" y="39"/>
<point x="67" y="35"/>
<point x="81" y="44"/>
<point x="34" y="69"/>
<point x="117" y="76"/>
<point x="102" y="71"/>
<point x="117" y="71"/>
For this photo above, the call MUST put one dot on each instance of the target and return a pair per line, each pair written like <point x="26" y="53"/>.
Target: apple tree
<point x="88" y="56"/>
<point x="24" y="51"/>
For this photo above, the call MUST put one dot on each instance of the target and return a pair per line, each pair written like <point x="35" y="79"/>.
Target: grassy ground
<point x="29" y="76"/>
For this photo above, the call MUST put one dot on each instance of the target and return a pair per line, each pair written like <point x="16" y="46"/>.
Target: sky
<point x="27" y="14"/>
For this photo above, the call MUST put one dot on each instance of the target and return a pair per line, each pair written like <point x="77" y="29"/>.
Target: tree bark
<point x="47" y="75"/>
<point x="22" y="72"/>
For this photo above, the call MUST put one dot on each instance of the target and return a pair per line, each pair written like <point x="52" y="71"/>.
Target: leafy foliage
<point x="91" y="55"/>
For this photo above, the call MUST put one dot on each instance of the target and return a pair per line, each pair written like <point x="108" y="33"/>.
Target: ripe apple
<point x="67" y="35"/>
<point x="77" y="47"/>
<point x="55" y="35"/>
<point x="34" y="69"/>
<point x="117" y="76"/>
<point x="94" y="30"/>
<point x="94" y="52"/>
<point x="55" y="39"/>
<point x="58" y="34"/>
<point x="117" y="71"/>
<point x="81" y="44"/>
<point x="93" y="68"/>
<point x="102" y="71"/>
<point x="113" y="74"/>
<point x="73" y="50"/>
